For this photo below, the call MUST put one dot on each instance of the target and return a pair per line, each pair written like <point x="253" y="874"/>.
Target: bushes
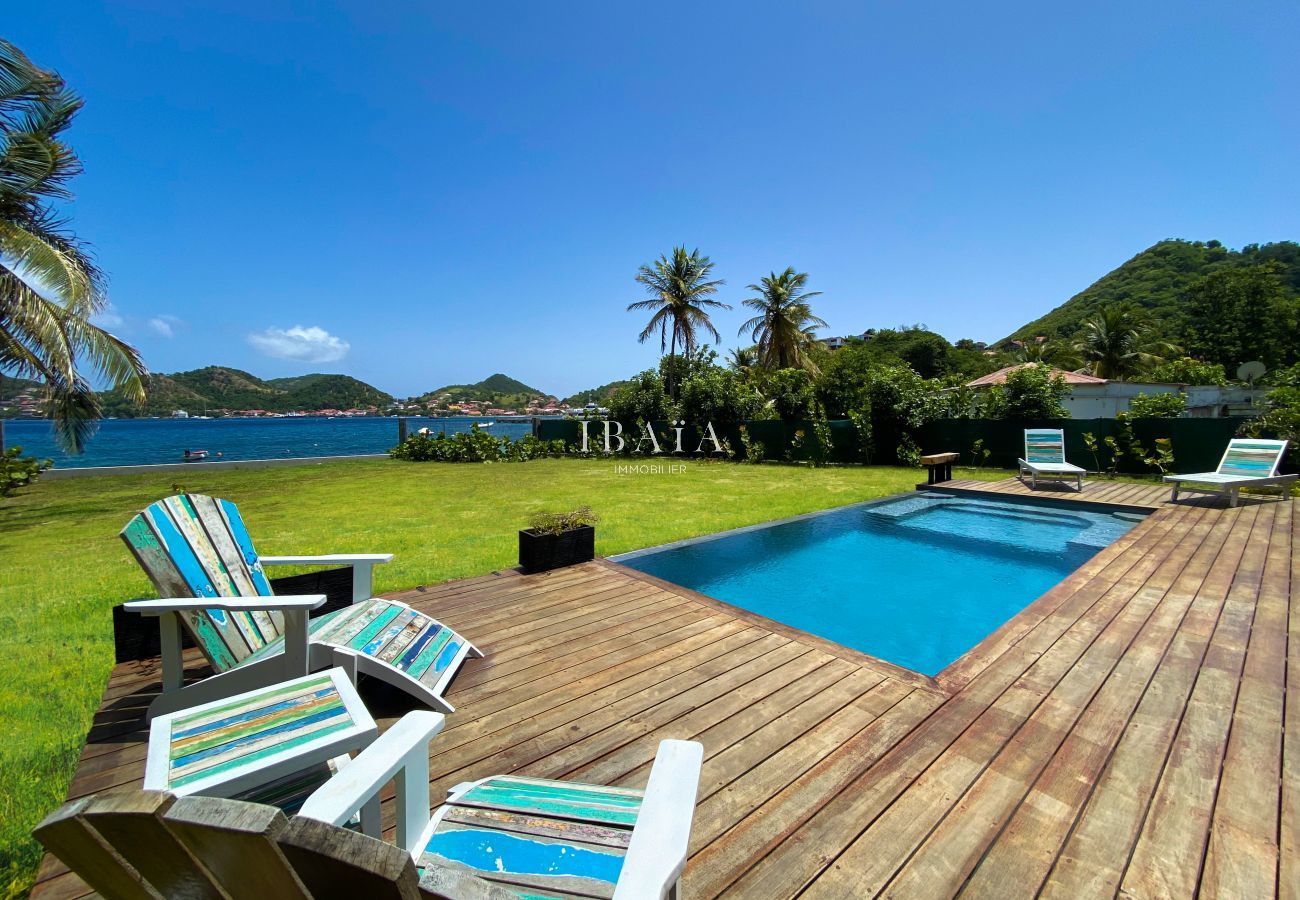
<point x="790" y="391"/>
<point x="1186" y="370"/>
<point x="473" y="446"/>
<point x="1281" y="418"/>
<point x="1030" y="392"/>
<point x="718" y="396"/>
<point x="1158" y="406"/>
<point x="643" y="397"/>
<point x="18" y="471"/>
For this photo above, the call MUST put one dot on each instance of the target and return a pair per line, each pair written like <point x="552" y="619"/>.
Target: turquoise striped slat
<point x="555" y="798"/>
<point x="243" y="732"/>
<point x="535" y="836"/>
<point x="1252" y="458"/>
<point x="1044" y="446"/>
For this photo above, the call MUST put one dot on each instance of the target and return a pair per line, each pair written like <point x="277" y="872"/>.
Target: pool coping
<point x="952" y="677"/>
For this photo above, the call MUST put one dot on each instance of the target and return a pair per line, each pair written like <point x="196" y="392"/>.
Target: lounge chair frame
<point x="1242" y="456"/>
<point x="1045" y="458"/>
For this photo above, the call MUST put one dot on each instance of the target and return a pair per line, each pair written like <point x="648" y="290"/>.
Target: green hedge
<point x="776" y="435"/>
<point x="1198" y="444"/>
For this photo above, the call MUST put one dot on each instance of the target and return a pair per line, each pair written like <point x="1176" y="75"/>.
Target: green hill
<point x="216" y="387"/>
<point x="1158" y="279"/>
<point x="595" y="395"/>
<point x="496" y="390"/>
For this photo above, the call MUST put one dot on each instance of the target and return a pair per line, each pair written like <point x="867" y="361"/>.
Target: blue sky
<point x="419" y="193"/>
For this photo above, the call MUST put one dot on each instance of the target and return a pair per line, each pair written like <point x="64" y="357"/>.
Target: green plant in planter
<point x="560" y="522"/>
<point x="18" y="471"/>
<point x="979" y="454"/>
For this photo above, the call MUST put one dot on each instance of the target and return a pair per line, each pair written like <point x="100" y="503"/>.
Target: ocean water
<point x="916" y="581"/>
<point x="131" y="442"/>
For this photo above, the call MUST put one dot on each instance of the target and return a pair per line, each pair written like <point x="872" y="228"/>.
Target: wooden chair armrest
<point x="656" y="853"/>
<point x="327" y="559"/>
<point x="401" y="753"/>
<point x="233" y="604"/>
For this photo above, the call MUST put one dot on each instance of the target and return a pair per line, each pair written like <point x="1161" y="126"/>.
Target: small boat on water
<point x="486" y="424"/>
<point x="194" y="456"/>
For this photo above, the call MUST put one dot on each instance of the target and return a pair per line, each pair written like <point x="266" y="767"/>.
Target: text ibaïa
<point x="614" y="434"/>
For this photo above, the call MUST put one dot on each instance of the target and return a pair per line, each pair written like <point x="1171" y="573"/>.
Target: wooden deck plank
<point x="1242" y="856"/>
<point x="1170" y="849"/>
<point x="1027" y="846"/>
<point x="1146" y="707"/>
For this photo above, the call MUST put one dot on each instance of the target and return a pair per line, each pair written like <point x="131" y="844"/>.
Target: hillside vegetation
<point x="498" y="389"/>
<point x="598" y="395"/>
<point x="217" y="387"/>
<point x="1188" y="288"/>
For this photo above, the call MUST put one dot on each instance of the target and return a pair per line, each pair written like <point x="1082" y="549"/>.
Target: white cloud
<point x="164" y="326"/>
<point x="108" y="318"/>
<point x="312" y="344"/>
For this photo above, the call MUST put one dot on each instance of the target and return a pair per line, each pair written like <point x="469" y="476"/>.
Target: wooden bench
<point x="939" y="466"/>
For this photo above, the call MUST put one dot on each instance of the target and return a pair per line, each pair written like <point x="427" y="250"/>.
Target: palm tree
<point x="681" y="296"/>
<point x="1119" y="342"/>
<point x="49" y="286"/>
<point x="783" y="329"/>
<point x="742" y="360"/>
<point x="1046" y="351"/>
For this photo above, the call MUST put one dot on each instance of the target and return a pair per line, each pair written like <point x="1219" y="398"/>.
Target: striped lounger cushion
<point x="1251" y="460"/>
<point x="1044" y="447"/>
<point x="538" y="838"/>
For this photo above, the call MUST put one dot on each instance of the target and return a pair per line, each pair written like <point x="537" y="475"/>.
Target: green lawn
<point x="64" y="566"/>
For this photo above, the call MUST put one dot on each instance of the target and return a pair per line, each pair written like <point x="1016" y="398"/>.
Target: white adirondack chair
<point x="1248" y="462"/>
<point x="1045" y="458"/>
<point x="199" y="556"/>
<point x="531" y="836"/>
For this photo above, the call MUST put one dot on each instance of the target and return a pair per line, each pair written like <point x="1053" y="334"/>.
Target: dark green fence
<point x="1198" y="444"/>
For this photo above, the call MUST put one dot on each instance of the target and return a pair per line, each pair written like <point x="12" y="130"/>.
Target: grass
<point x="65" y="568"/>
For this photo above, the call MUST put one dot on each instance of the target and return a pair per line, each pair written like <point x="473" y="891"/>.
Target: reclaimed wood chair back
<point x="150" y="844"/>
<point x="191" y="545"/>
<point x="1044" y="445"/>
<point x="1253" y="458"/>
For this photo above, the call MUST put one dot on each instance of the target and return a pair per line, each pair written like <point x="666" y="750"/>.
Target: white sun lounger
<point x="1248" y="462"/>
<point x="1045" y="458"/>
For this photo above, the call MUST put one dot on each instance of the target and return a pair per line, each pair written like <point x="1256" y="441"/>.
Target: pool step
<point x="902" y="509"/>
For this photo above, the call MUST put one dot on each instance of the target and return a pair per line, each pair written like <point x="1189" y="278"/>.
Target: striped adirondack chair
<point x="199" y="556"/>
<point x="1248" y="462"/>
<point x="1045" y="458"/>
<point x="534" y="837"/>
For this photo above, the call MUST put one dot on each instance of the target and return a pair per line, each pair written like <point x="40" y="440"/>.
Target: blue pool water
<point x="917" y="580"/>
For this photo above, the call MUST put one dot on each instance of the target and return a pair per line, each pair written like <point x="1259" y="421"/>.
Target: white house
<point x="1098" y="398"/>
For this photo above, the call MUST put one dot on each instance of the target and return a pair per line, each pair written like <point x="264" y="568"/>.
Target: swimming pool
<point x="916" y="580"/>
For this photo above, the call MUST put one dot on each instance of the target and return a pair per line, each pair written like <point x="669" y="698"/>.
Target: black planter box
<point x="539" y="552"/>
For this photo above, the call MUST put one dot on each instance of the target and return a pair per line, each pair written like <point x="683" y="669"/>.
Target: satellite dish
<point x="1250" y="371"/>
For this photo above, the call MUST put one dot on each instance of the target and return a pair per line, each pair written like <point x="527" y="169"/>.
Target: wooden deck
<point x="1134" y="731"/>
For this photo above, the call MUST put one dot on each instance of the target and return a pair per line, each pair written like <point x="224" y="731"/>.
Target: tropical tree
<point x="1047" y="351"/>
<point x="49" y="286"/>
<point x="681" y="295"/>
<point x="783" y="329"/>
<point x="1119" y="342"/>
<point x="742" y="360"/>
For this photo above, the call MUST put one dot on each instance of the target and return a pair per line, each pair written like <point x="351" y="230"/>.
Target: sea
<point x="134" y="442"/>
